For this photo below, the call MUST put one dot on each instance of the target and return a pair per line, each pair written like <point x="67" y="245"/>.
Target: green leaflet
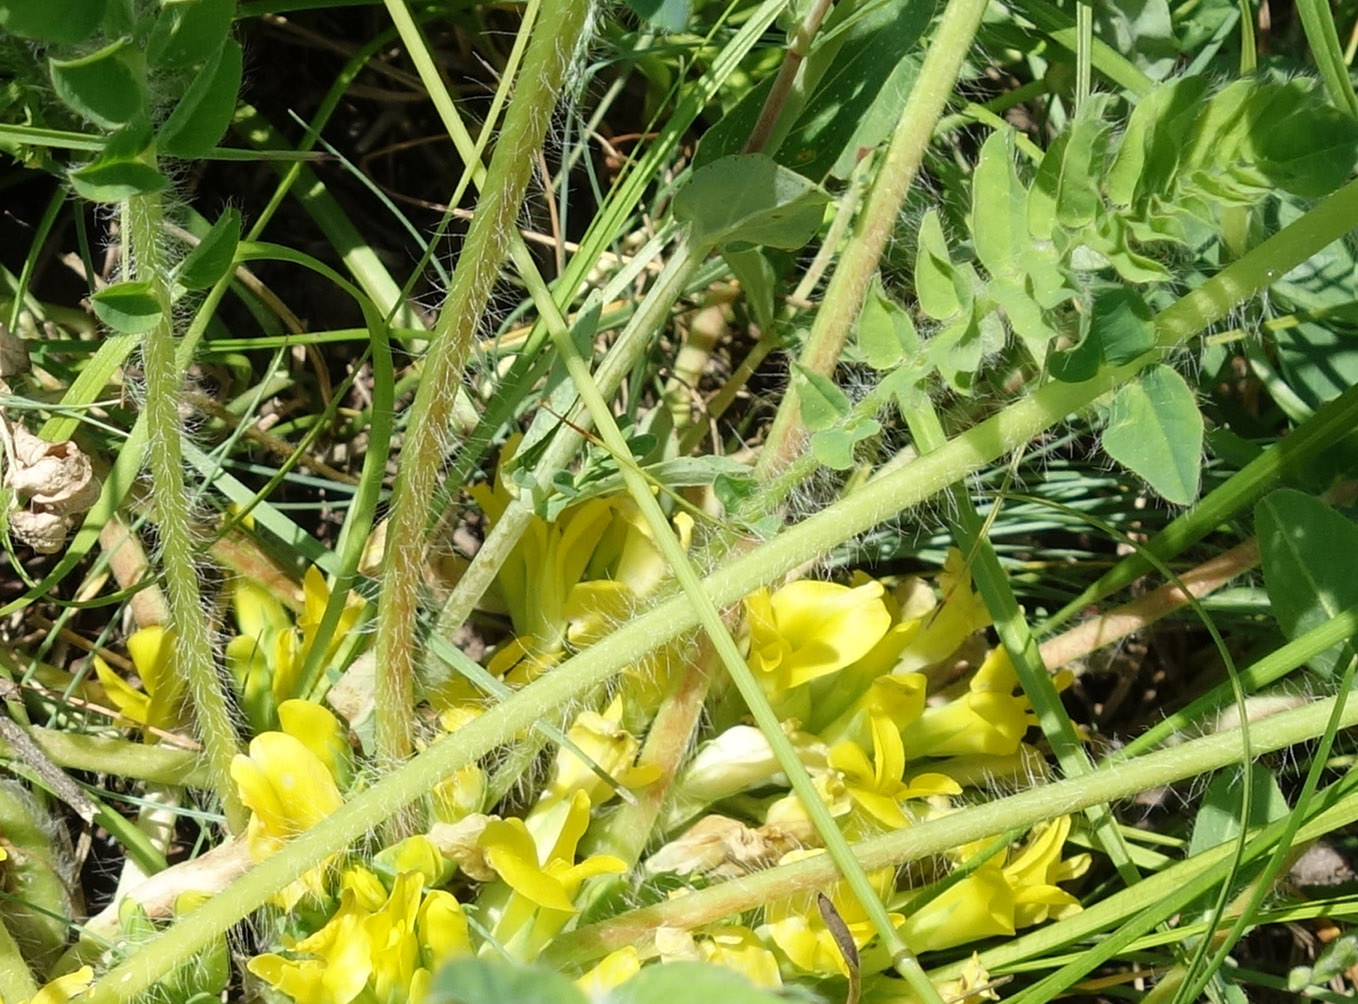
<point x="1155" y="430"/>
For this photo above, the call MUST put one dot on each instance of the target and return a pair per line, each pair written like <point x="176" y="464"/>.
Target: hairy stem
<point x="425" y="444"/>
<point x="178" y="555"/>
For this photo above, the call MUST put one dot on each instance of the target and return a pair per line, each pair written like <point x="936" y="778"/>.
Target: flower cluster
<point x="885" y="690"/>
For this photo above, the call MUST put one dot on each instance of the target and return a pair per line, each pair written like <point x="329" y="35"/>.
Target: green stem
<point x="1317" y="20"/>
<point x="880" y="499"/>
<point x="425" y="444"/>
<point x="978" y="822"/>
<point x="16" y="982"/>
<point x="179" y="556"/>
<point x="844" y="296"/>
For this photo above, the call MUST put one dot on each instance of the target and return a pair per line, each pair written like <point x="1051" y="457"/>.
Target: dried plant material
<point x="13" y="354"/>
<point x="209" y="873"/>
<point x="55" y="480"/>
<point x="45" y="532"/>
<point x="460" y="843"/>
<point x="55" y="476"/>
<point x="722" y="847"/>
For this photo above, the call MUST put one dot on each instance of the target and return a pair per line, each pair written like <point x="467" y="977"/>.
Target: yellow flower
<point x="288" y="789"/>
<point x="267" y="657"/>
<point x="535" y="902"/>
<point x="609" y="747"/>
<point x="732" y="947"/>
<point x="959" y="614"/>
<point x="380" y="949"/>
<point x="809" y="629"/>
<point x="877" y="786"/>
<point x="548" y="880"/>
<point x="159" y="703"/>
<point x="991" y="717"/>
<point x="1000" y="896"/>
<point x="613" y="970"/>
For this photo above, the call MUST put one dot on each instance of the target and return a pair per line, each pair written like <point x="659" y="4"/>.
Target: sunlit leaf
<point x="1155" y="430"/>
<point x="213" y="256"/>
<point x="107" y="87"/>
<point x="205" y="110"/>
<point x="750" y="199"/>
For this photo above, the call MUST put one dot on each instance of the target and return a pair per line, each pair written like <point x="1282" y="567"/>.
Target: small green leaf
<point x="1153" y="141"/>
<point x="1308" y="553"/>
<point x="756" y="278"/>
<point x="1155" y="430"/>
<point x="213" y="256"/>
<point x="822" y="403"/>
<point x="1078" y="363"/>
<point x="886" y="335"/>
<point x="1121" y="322"/>
<point x="1218" y="817"/>
<point x="1041" y="208"/>
<point x="107" y="87"/>
<point x="1311" y="151"/>
<point x="116" y="180"/>
<point x="750" y="199"/>
<point x="205" y="110"/>
<point x="62" y="21"/>
<point x="834" y="447"/>
<point x="121" y="170"/>
<point x="862" y="67"/>
<point x="129" y="307"/>
<point x="686" y="983"/>
<point x="189" y="32"/>
<point x="960" y="347"/>
<point x="1078" y="201"/>
<point x="1025" y="315"/>
<point x="491" y="981"/>
<point x="935" y="276"/>
<point x="999" y="226"/>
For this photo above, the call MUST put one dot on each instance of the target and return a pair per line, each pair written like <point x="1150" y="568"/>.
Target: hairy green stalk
<point x="880" y="499"/>
<point x="425" y="444"/>
<point x="849" y="283"/>
<point x="178" y="554"/>
<point x="649" y="318"/>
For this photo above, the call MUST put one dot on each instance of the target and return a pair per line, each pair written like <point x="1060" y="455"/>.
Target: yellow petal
<point x="827" y="626"/>
<point x="63" y="988"/>
<point x="613" y="971"/>
<point x="442" y="928"/>
<point x="258" y="613"/>
<point x="131" y="703"/>
<point x="980" y="905"/>
<point x="511" y="852"/>
<point x="321" y="733"/>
